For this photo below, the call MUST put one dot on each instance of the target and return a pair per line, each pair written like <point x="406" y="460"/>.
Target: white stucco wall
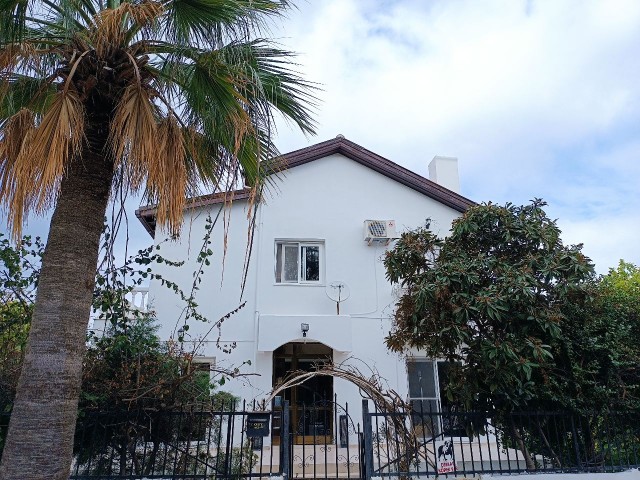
<point x="325" y="200"/>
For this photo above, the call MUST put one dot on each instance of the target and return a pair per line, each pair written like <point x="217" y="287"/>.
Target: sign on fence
<point x="445" y="461"/>
<point x="257" y="424"/>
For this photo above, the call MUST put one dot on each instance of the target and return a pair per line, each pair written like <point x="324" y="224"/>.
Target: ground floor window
<point x="201" y="368"/>
<point x="431" y="409"/>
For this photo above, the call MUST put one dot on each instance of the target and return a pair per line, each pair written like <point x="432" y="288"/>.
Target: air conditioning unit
<point x="379" y="231"/>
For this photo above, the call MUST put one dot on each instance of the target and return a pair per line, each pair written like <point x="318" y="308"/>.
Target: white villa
<point x="321" y="233"/>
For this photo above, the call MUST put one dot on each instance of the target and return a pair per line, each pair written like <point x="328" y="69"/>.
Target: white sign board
<point x="445" y="461"/>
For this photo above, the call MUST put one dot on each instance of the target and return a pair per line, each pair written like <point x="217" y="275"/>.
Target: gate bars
<point x="212" y="443"/>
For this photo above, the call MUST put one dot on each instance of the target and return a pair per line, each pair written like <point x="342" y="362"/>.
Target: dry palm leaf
<point x="15" y="193"/>
<point x="133" y="136"/>
<point x="167" y="175"/>
<point x="111" y="25"/>
<point x="54" y="143"/>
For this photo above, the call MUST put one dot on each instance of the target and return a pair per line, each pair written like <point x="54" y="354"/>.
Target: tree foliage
<point x="136" y="388"/>
<point x="174" y="94"/>
<point x="19" y="269"/>
<point x="601" y="343"/>
<point x="494" y="299"/>
<point x="130" y="377"/>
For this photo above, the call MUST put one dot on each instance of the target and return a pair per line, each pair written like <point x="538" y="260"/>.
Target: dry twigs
<point x="397" y="427"/>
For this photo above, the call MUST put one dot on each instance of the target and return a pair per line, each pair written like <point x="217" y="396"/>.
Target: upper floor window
<point x="299" y="262"/>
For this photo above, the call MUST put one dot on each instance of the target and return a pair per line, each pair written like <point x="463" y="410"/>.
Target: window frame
<point x="300" y="244"/>
<point x="442" y="426"/>
<point x="436" y="380"/>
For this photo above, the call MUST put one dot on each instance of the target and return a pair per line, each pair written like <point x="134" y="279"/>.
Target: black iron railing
<point x="239" y="441"/>
<point x="185" y="443"/>
<point x="456" y="442"/>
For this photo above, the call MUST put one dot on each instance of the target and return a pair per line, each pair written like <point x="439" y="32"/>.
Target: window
<point x="424" y="394"/>
<point x="299" y="262"/>
<point x="201" y="368"/>
<point x="426" y="382"/>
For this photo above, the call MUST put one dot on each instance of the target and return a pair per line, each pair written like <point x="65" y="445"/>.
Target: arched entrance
<point x="310" y="403"/>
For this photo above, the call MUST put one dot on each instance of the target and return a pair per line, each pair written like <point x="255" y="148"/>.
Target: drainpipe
<point x="256" y="313"/>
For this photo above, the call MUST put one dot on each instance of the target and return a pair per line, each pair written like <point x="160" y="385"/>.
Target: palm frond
<point x="67" y="15"/>
<point x="16" y="56"/>
<point x="112" y="27"/>
<point x="167" y="175"/>
<point x="13" y="14"/>
<point x="23" y="91"/>
<point x="272" y="80"/>
<point x="201" y="170"/>
<point x="55" y="141"/>
<point x="15" y="193"/>
<point x="215" y="22"/>
<point x="134" y="133"/>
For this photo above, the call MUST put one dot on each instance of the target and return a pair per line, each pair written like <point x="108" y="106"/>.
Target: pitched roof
<point x="338" y="145"/>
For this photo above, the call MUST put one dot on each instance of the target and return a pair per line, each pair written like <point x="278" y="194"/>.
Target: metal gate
<point x="322" y="447"/>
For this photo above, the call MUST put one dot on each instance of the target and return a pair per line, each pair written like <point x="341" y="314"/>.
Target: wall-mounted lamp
<point x="305" y="328"/>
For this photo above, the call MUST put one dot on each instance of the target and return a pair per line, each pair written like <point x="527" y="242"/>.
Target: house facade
<point x="314" y="282"/>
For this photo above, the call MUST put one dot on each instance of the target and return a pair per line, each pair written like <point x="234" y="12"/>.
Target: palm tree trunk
<point x="40" y="438"/>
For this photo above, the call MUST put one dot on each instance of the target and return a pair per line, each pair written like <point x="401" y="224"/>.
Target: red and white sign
<point x="445" y="461"/>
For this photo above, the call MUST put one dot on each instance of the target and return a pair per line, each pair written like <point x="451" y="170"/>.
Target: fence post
<point x="284" y="442"/>
<point x="576" y="446"/>
<point x="368" y="441"/>
<point x="230" y="426"/>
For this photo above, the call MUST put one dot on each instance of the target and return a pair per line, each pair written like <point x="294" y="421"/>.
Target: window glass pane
<point x="421" y="380"/>
<point x="278" y="263"/>
<point x="311" y="263"/>
<point x="425" y="417"/>
<point x="290" y="270"/>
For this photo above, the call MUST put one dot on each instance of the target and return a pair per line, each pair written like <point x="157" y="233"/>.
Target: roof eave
<point x="338" y="145"/>
<point x="377" y="163"/>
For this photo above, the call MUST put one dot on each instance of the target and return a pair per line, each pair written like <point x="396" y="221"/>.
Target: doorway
<point x="311" y="403"/>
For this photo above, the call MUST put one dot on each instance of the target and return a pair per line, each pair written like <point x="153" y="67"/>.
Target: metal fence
<point x="469" y="443"/>
<point x="187" y="443"/>
<point x="317" y="441"/>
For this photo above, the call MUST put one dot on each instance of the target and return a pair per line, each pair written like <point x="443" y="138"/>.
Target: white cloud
<point x="606" y="239"/>
<point x="537" y="99"/>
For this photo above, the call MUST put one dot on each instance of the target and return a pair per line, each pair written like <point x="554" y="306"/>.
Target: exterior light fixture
<point x="305" y="328"/>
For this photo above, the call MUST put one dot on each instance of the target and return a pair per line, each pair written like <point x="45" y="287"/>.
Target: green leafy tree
<point x="527" y="326"/>
<point x="491" y="298"/>
<point x="601" y="346"/>
<point x="19" y="268"/>
<point x="138" y="390"/>
<point x="135" y="387"/>
<point x="100" y="97"/>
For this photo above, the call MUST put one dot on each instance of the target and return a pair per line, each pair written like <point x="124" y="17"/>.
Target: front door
<point x="310" y="403"/>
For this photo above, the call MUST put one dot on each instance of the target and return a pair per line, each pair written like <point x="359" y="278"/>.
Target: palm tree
<point x="96" y="96"/>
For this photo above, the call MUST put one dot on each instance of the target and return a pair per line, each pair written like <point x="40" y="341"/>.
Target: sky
<point x="537" y="99"/>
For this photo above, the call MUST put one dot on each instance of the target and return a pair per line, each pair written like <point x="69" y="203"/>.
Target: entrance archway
<point x="311" y="402"/>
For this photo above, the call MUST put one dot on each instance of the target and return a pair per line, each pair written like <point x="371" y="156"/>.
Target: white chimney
<point x="444" y="171"/>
